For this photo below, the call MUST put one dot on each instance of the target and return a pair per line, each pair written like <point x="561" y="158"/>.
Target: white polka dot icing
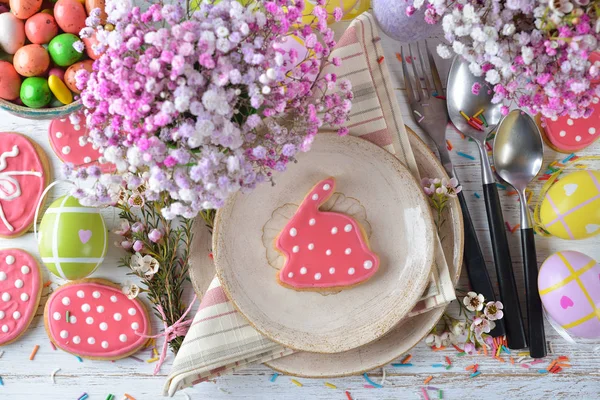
<point x="5" y="328"/>
<point x="66" y="301"/>
<point x="2" y="314"/>
<point x="85" y="307"/>
<point x="56" y="316"/>
<point x="64" y="334"/>
<point x="100" y="333"/>
<point x="72" y="319"/>
<point x="25" y="269"/>
<point x="336" y="239"/>
<point x="16" y="315"/>
<point x="368" y="264"/>
<point x="293" y="232"/>
<point x="6" y="296"/>
<point x="2" y="276"/>
<point x="18" y="283"/>
<point x="76" y="339"/>
<point x="10" y="260"/>
<point x="80" y="294"/>
<point x="113" y="299"/>
<point x="296" y="249"/>
<point x="24" y="296"/>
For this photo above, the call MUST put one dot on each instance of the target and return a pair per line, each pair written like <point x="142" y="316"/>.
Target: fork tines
<point x="420" y="88"/>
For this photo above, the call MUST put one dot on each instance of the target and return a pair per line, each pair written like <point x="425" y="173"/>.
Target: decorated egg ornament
<point x="569" y="285"/>
<point x="72" y="239"/>
<point x="571" y="208"/>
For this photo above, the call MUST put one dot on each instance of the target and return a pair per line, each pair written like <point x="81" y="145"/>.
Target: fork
<point x="431" y="114"/>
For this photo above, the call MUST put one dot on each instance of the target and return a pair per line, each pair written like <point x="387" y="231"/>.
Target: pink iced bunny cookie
<point x="324" y="250"/>
<point x="20" y="290"/>
<point x="67" y="141"/>
<point x="92" y="318"/>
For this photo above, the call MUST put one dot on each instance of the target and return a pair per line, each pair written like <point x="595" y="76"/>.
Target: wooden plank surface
<point x="24" y="379"/>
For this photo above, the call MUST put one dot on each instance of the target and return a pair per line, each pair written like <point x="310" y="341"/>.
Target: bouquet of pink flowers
<point x="535" y="53"/>
<point x="193" y="108"/>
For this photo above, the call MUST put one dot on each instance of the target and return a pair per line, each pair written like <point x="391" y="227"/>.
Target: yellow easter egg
<point x="571" y="208"/>
<point x="60" y="90"/>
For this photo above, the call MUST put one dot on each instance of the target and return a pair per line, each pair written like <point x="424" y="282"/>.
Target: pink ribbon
<point x="179" y="328"/>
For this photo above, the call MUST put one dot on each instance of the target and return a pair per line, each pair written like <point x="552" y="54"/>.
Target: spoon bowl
<point x="460" y="82"/>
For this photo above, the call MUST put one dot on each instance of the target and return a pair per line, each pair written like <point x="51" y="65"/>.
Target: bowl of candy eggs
<point x="41" y="53"/>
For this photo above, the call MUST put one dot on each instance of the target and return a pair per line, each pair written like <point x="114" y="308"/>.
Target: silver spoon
<point x="518" y="156"/>
<point x="459" y="98"/>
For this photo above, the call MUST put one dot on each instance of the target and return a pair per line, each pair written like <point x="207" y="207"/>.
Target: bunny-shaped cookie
<point x="324" y="250"/>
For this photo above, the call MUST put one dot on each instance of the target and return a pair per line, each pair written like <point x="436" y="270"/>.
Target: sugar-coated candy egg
<point x="41" y="28"/>
<point x="10" y="81"/>
<point x="60" y="90"/>
<point x="70" y="16"/>
<point x="12" y="33"/>
<point x="31" y="60"/>
<point x="58" y="72"/>
<point x="62" y="51"/>
<point x="89" y="49"/>
<point x="571" y="208"/>
<point x="101" y="4"/>
<point x="569" y="286"/>
<point x="24" y="9"/>
<point x="72" y="70"/>
<point x="35" y="92"/>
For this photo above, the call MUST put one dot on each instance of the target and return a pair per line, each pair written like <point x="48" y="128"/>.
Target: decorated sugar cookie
<point x="67" y="141"/>
<point x="24" y="173"/>
<point x="72" y="239"/>
<point x="571" y="208"/>
<point x="20" y="290"/>
<point x="569" y="285"/>
<point x="568" y="135"/>
<point x="92" y="318"/>
<point x="324" y="250"/>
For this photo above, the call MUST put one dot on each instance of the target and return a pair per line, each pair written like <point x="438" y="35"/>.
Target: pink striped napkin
<point x="220" y="340"/>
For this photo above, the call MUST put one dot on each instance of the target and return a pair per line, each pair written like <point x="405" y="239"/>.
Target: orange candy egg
<point x="31" y="60"/>
<point x="10" y="81"/>
<point x="72" y="70"/>
<point x="41" y="28"/>
<point x="101" y="4"/>
<point x="70" y="16"/>
<point x="89" y="42"/>
<point x="24" y="9"/>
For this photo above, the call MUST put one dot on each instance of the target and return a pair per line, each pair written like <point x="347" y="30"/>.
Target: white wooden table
<point x="24" y="379"/>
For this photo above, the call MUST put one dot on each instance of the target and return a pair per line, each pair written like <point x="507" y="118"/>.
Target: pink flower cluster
<point x="535" y="53"/>
<point x="194" y="108"/>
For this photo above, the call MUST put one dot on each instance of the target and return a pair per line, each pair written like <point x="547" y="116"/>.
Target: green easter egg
<point x="35" y="92"/>
<point x="72" y="239"/>
<point x="62" y="51"/>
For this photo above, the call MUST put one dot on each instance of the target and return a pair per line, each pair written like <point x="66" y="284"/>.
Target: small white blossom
<point x="473" y="301"/>
<point x="492" y="76"/>
<point x="443" y="51"/>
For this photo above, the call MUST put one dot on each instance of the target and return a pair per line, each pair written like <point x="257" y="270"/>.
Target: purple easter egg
<point x="569" y="285"/>
<point x="392" y="19"/>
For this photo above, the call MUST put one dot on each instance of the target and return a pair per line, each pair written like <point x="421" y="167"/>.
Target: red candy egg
<point x="41" y="28"/>
<point x="31" y="60"/>
<point x="10" y="81"/>
<point x="70" y="16"/>
<point x="24" y="9"/>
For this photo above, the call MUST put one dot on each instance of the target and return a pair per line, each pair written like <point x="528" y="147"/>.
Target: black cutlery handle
<point x="479" y="277"/>
<point x="513" y="319"/>
<point x="537" y="337"/>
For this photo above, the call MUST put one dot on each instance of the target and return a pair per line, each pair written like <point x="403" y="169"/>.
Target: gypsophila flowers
<point x="195" y="108"/>
<point x="533" y="53"/>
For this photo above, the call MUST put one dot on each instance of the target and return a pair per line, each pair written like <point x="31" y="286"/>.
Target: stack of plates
<point x="357" y="329"/>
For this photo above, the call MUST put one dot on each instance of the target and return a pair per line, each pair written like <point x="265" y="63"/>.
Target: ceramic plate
<point x="402" y="232"/>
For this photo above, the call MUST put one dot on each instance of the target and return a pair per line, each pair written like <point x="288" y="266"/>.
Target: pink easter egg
<point x="294" y="53"/>
<point x="569" y="286"/>
<point x="58" y="72"/>
<point x="70" y="16"/>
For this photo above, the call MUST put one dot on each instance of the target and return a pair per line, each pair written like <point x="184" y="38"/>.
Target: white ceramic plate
<point x="402" y="236"/>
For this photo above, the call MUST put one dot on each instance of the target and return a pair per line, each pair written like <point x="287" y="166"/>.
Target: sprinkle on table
<point x="1" y="381"/>
<point x="468" y="156"/>
<point x="474" y="374"/>
<point x="448" y="360"/>
<point x="478" y="113"/>
<point x="377" y="385"/>
<point x="406" y="359"/>
<point x="1" y="353"/>
<point x="136" y="358"/>
<point x="110" y="396"/>
<point x="465" y="116"/>
<point x="402" y="365"/>
<point x="399" y="57"/>
<point x="348" y="395"/>
<point x="380" y="59"/>
<point x="542" y="371"/>
<point x="83" y="396"/>
<point x="477" y="195"/>
<point x="79" y="358"/>
<point x="47" y="283"/>
<point x="274" y="377"/>
<point x="330" y="385"/>
<point x="449" y="145"/>
<point x="53" y="375"/>
<point x="130" y="397"/>
<point x="425" y="395"/>
<point x="428" y="379"/>
<point x="52" y="345"/>
<point x="295" y="382"/>
<point x="33" y="352"/>
<point x="153" y="359"/>
<point x="438" y="365"/>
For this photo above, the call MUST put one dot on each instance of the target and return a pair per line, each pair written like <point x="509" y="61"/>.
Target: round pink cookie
<point x="67" y="142"/>
<point x="23" y="177"/>
<point x="103" y="323"/>
<point x="20" y="290"/>
<point x="324" y="250"/>
<point x="569" y="135"/>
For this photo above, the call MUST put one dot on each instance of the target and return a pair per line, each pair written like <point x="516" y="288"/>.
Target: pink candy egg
<point x="72" y="70"/>
<point x="41" y="28"/>
<point x="12" y="33"/>
<point x="58" y="72"/>
<point x="70" y="16"/>
<point x="569" y="285"/>
<point x="31" y="60"/>
<point x="24" y="9"/>
<point x="89" y="43"/>
<point x="10" y="81"/>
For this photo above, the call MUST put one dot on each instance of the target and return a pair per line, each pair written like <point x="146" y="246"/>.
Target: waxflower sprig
<point x="195" y="107"/>
<point x="536" y="54"/>
<point x="439" y="191"/>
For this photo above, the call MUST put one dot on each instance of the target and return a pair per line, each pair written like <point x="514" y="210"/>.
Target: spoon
<point x="459" y="99"/>
<point x="518" y="156"/>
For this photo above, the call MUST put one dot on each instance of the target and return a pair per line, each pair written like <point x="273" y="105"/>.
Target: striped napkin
<point x="220" y="340"/>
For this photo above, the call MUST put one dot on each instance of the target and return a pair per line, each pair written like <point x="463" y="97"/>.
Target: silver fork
<point x="431" y="114"/>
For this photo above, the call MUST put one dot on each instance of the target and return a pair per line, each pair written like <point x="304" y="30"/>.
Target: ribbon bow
<point x="179" y="328"/>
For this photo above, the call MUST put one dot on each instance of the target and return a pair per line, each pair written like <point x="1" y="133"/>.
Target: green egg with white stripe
<point x="72" y="239"/>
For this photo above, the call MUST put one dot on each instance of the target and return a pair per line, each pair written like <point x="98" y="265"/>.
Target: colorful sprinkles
<point x="377" y="385"/>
